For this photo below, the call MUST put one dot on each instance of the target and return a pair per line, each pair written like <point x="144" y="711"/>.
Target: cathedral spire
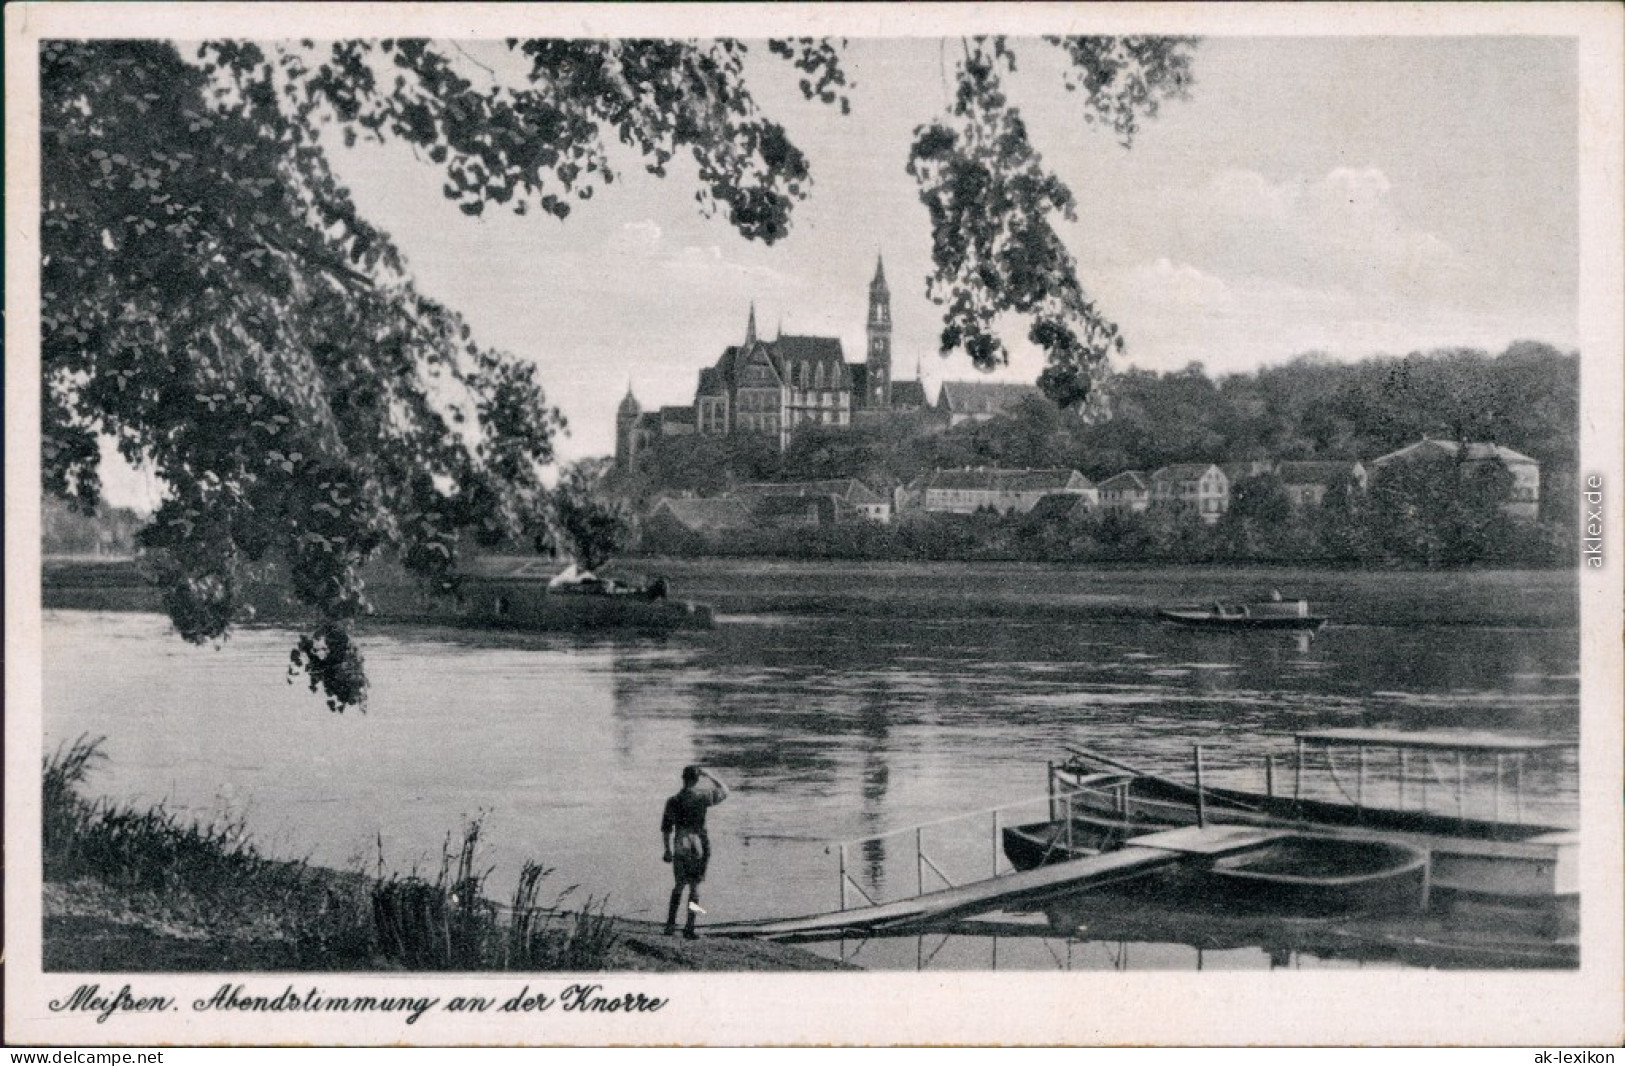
<point x="750" y="328"/>
<point x="879" y="358"/>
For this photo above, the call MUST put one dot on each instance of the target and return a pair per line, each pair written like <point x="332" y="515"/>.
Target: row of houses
<point x="1205" y="488"/>
<point x="1202" y="489"/>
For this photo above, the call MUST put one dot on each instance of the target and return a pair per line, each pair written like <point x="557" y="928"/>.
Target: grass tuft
<point x="211" y="875"/>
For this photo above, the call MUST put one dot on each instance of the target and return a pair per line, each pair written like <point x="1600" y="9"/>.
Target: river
<point x="829" y="726"/>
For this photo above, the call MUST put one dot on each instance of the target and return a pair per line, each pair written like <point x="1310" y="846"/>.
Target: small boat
<point x="1322" y="875"/>
<point x="521" y="594"/>
<point x="1480" y="858"/>
<point x="588" y="604"/>
<point x="1284" y="873"/>
<point x="1273" y="614"/>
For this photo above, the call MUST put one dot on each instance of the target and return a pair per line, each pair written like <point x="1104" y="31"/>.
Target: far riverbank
<point x="1035" y="591"/>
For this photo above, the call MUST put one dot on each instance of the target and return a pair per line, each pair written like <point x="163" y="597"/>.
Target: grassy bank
<point x="145" y="890"/>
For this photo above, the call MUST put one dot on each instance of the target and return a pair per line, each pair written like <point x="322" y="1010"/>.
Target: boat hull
<point x="1524" y="865"/>
<point x="530" y="606"/>
<point x="1295" y="875"/>
<point x="1209" y="620"/>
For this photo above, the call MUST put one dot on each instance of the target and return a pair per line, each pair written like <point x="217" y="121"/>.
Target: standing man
<point x="688" y="846"/>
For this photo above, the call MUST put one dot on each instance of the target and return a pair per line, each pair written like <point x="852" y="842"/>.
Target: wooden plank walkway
<point x="1136" y="858"/>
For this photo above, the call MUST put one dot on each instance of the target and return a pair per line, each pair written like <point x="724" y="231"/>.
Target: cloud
<point x="638" y="239"/>
<point x="693" y="265"/>
<point x="1173" y="313"/>
<point x="1342" y="230"/>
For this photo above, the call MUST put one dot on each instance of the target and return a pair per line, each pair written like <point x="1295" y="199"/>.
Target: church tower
<point x="750" y="327"/>
<point x="626" y="421"/>
<point x="879" y="357"/>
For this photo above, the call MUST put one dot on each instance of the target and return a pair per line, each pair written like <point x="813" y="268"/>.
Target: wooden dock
<point x="1136" y="858"/>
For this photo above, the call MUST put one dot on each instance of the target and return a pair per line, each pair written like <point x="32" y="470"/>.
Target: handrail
<point x="828" y="844"/>
<point x="1207" y="793"/>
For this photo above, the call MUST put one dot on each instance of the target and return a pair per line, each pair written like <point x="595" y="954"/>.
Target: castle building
<point x="771" y="387"/>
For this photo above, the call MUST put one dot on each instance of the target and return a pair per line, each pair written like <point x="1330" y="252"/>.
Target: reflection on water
<point x="827" y="728"/>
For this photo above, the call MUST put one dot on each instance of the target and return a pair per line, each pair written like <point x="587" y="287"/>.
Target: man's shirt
<point x="685" y="812"/>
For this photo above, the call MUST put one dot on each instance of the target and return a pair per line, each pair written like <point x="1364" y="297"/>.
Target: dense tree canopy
<point x="590" y="524"/>
<point x="214" y="302"/>
<point x="1526" y="398"/>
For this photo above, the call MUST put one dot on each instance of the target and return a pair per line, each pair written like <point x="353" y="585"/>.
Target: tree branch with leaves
<point x="215" y="303"/>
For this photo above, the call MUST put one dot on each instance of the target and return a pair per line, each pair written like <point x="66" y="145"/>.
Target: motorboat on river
<point x="1099" y="803"/>
<point x="1270" y="614"/>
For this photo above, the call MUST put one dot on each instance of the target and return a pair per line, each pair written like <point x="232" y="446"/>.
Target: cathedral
<point x="770" y="387"/>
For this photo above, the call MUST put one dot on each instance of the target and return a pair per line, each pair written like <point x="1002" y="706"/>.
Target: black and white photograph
<point x="860" y="524"/>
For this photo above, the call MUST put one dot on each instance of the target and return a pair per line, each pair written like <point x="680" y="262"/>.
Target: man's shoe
<point x="689" y="934"/>
<point x="671" y="930"/>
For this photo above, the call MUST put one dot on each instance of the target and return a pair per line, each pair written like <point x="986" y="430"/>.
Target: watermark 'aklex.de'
<point x="1591" y="528"/>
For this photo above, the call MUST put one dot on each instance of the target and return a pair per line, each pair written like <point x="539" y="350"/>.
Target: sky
<point x="1352" y="196"/>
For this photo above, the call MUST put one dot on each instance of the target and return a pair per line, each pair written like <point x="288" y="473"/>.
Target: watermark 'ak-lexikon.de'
<point x="1591" y="529"/>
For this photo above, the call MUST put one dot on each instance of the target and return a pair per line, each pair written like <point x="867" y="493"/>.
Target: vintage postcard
<point x="738" y="524"/>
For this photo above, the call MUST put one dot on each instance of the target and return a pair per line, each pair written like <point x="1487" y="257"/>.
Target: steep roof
<point x="705" y="516"/>
<point x="1182" y="472"/>
<point x="1506" y="455"/>
<point x="849" y="489"/>
<point x="761" y="353"/>
<point x="1246" y="469"/>
<point x="982" y="397"/>
<point x="711" y="382"/>
<point x="1476" y="452"/>
<point x="821" y="507"/>
<point x="1421" y="449"/>
<point x="908" y="394"/>
<point x="789" y="352"/>
<point x="1128" y="480"/>
<point x="996" y="480"/>
<point x="684" y="415"/>
<point x="793" y="347"/>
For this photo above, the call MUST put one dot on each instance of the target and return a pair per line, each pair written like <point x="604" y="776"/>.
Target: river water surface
<point x="828" y="727"/>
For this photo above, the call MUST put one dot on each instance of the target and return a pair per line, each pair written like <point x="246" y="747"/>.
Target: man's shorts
<point x="689" y="859"/>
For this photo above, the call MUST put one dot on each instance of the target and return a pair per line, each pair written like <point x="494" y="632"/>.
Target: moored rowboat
<point x="1286" y="873"/>
<point x="1470" y="857"/>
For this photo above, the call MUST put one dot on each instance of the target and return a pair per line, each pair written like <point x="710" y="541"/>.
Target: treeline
<point x="110" y="531"/>
<point x="1526" y="398"/>
<point x="1428" y="515"/>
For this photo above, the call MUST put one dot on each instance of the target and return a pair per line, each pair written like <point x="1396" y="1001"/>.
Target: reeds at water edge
<point x="211" y="874"/>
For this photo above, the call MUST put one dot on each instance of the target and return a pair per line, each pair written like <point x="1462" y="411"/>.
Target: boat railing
<point x="1445" y="782"/>
<point x="948" y="852"/>
<point x="1485" y="784"/>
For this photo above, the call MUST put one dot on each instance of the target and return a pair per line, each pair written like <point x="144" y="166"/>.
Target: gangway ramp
<point x="1136" y="858"/>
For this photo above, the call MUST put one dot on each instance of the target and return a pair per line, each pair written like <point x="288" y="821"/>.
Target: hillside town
<point x="1202" y="490"/>
<point x="768" y="394"/>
